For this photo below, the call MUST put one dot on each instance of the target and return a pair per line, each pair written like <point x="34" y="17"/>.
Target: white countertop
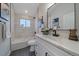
<point x="63" y="42"/>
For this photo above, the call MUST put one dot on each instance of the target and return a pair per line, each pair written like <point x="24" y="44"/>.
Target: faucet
<point x="55" y="32"/>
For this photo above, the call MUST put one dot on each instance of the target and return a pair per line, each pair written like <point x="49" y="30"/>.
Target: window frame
<point x="24" y="25"/>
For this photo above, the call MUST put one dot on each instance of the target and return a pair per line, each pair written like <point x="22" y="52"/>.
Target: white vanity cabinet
<point x="41" y="50"/>
<point x="44" y="48"/>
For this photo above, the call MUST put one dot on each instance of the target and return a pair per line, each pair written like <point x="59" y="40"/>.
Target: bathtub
<point x="18" y="43"/>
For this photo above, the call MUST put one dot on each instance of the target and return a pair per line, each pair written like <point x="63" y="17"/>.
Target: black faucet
<point x="55" y="33"/>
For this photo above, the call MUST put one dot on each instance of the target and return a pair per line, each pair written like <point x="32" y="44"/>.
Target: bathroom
<point x="39" y="29"/>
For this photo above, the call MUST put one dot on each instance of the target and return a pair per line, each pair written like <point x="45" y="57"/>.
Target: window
<point x="24" y="23"/>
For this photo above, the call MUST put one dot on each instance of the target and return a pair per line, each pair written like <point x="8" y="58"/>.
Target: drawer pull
<point x="46" y="54"/>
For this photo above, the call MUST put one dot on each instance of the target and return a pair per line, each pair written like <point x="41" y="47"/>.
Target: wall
<point x="12" y="22"/>
<point x="5" y="45"/>
<point x="21" y="32"/>
<point x="42" y="11"/>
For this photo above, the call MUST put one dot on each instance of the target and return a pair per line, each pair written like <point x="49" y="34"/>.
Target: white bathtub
<point x="20" y="43"/>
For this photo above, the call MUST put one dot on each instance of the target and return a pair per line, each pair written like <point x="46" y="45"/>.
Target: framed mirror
<point x="61" y="15"/>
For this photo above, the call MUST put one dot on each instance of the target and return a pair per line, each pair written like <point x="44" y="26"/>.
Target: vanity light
<point x="26" y="11"/>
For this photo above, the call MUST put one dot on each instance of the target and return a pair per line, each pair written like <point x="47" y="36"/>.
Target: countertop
<point x="62" y="42"/>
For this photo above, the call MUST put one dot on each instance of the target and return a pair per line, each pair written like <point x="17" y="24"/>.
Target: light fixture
<point x="26" y="11"/>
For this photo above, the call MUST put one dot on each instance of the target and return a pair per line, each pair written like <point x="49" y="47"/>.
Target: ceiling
<point x="30" y="7"/>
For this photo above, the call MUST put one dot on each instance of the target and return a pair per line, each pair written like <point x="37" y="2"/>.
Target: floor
<point x="23" y="52"/>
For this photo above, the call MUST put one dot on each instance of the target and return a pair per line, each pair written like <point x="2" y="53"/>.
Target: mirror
<point x="61" y="15"/>
<point x="77" y="18"/>
<point x="5" y="11"/>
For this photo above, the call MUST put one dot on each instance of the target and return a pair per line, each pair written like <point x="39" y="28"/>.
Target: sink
<point x="49" y="37"/>
<point x="54" y="38"/>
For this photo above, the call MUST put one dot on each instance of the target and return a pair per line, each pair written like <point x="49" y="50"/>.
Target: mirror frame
<point x="47" y="13"/>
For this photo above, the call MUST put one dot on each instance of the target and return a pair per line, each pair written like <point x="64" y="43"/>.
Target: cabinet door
<point x="44" y="48"/>
<point x="37" y="47"/>
<point x="54" y="49"/>
<point x="0" y="32"/>
<point x="41" y="50"/>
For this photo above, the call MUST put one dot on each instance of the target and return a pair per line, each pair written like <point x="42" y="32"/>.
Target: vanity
<point x="66" y="17"/>
<point x="56" y="46"/>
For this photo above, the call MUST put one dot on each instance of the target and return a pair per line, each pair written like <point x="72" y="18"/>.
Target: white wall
<point x="42" y="11"/>
<point x="5" y="45"/>
<point x="12" y="22"/>
<point x="21" y="32"/>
